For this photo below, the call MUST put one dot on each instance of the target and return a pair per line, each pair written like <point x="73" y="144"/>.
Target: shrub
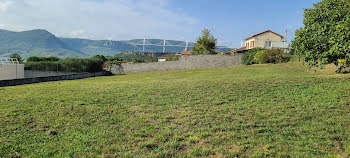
<point x="275" y="55"/>
<point x="101" y="57"/>
<point x="39" y="59"/>
<point x="42" y="66"/>
<point x="172" y="58"/>
<point x="248" y="58"/>
<point x="67" y="65"/>
<point x="138" y="60"/>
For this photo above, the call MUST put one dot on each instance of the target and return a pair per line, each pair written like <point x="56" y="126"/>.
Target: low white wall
<point x="9" y="72"/>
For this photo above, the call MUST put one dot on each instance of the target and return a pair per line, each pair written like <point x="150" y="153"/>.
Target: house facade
<point x="264" y="39"/>
<point x="267" y="39"/>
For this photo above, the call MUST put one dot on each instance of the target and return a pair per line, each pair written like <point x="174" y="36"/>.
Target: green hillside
<point x="275" y="110"/>
<point x="34" y="42"/>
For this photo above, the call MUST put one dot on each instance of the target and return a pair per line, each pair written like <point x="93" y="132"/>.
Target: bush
<point x="172" y="58"/>
<point x="138" y="60"/>
<point x="67" y="65"/>
<point x="40" y="59"/>
<point x="275" y="55"/>
<point x="42" y="66"/>
<point x="248" y="58"/>
<point x="101" y="57"/>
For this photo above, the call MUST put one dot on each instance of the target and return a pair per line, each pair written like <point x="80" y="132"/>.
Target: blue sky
<point x="229" y="20"/>
<point x="233" y="20"/>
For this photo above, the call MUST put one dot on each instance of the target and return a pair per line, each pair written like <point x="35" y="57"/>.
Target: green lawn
<point x="282" y="110"/>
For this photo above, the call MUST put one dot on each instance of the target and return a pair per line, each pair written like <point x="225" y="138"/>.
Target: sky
<point x="230" y="21"/>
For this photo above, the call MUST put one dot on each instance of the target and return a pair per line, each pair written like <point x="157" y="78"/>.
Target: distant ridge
<point x="43" y="43"/>
<point x="34" y="42"/>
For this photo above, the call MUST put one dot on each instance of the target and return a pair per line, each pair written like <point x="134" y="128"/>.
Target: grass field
<point x="282" y="110"/>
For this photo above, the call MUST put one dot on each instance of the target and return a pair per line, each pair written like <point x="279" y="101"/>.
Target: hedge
<point x="67" y="65"/>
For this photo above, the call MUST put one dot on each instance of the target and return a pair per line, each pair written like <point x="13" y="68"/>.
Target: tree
<point x="100" y="57"/>
<point x="206" y="43"/>
<point x="326" y="36"/>
<point x="17" y="56"/>
<point x="40" y="59"/>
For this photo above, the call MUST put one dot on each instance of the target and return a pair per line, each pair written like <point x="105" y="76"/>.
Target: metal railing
<point x="8" y="61"/>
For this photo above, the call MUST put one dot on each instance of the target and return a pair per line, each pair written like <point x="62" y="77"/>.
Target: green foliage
<point x="16" y="56"/>
<point x="115" y="60"/>
<point x="274" y="110"/>
<point x="149" y="59"/>
<point x="274" y="55"/>
<point x="99" y="57"/>
<point x="146" y="59"/>
<point x="67" y="65"/>
<point x="248" y="58"/>
<point x="138" y="59"/>
<point x="200" y="152"/>
<point x="206" y="44"/>
<point x="39" y="59"/>
<point x="172" y="58"/>
<point x="326" y="35"/>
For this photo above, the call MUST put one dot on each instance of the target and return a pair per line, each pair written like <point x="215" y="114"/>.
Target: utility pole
<point x="164" y="46"/>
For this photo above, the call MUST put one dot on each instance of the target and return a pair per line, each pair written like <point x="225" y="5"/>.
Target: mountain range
<point x="43" y="43"/>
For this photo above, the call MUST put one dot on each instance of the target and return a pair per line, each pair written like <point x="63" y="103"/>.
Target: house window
<point x="268" y="44"/>
<point x="253" y="44"/>
<point x="248" y="45"/>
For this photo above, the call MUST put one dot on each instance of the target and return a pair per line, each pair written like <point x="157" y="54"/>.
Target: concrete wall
<point x="12" y="71"/>
<point x="189" y="62"/>
<point x="34" y="73"/>
<point x="15" y="82"/>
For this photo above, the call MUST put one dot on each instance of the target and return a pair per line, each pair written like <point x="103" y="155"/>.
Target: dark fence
<point x="15" y="82"/>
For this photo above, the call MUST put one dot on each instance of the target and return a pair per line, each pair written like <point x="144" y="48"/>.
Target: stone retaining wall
<point x="190" y="62"/>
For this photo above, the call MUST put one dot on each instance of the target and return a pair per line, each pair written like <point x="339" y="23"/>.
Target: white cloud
<point x="4" y="6"/>
<point x="100" y="19"/>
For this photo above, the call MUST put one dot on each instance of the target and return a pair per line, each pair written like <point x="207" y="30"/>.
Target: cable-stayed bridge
<point x="161" y="43"/>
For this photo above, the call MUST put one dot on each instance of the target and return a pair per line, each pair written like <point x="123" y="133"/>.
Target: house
<point x="263" y="40"/>
<point x="267" y="39"/>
